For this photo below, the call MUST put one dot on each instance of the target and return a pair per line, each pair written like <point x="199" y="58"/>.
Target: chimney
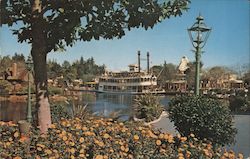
<point x="139" y="62"/>
<point x="148" y="62"/>
<point x="14" y="70"/>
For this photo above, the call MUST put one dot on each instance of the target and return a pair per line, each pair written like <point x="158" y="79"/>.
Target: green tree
<point x="53" y="24"/>
<point x="54" y="69"/>
<point x="18" y="58"/>
<point x="190" y="74"/>
<point x="205" y="117"/>
<point x="165" y="72"/>
<point x="246" y="78"/>
<point x="5" y="63"/>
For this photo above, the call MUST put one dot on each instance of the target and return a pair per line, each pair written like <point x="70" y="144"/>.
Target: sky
<point x="227" y="45"/>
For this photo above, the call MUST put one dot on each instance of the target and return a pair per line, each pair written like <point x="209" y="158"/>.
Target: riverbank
<point x="23" y="98"/>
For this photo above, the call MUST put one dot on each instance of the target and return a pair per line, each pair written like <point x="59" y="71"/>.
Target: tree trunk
<point x="39" y="55"/>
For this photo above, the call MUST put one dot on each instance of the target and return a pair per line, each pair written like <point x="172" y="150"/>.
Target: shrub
<point x="148" y="107"/>
<point x="5" y="86"/>
<point x="205" y="117"/>
<point x="68" y="111"/>
<point x="55" y="90"/>
<point x="59" y="111"/>
<point x="239" y="104"/>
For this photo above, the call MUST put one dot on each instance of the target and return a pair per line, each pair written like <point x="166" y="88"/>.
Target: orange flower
<point x="180" y="156"/>
<point x="106" y="136"/>
<point x="126" y="149"/>
<point x="136" y="137"/>
<point x="16" y="134"/>
<point x="39" y="148"/>
<point x="111" y="150"/>
<point x="78" y="127"/>
<point x="81" y="155"/>
<point x="192" y="135"/>
<point x="206" y="152"/>
<point x="17" y="157"/>
<point x="151" y="134"/>
<point x="105" y="157"/>
<point x="10" y="139"/>
<point x="158" y="142"/>
<point x="65" y="138"/>
<point x="72" y="150"/>
<point x="82" y="151"/>
<point x="161" y="136"/>
<point x="47" y="151"/>
<point x="52" y="126"/>
<point x="40" y="145"/>
<point x="122" y="148"/>
<point x="81" y="140"/>
<point x="170" y="139"/>
<point x="183" y="139"/>
<point x="188" y="154"/>
<point x="23" y="138"/>
<point x="166" y="136"/>
<point x="99" y="157"/>
<point x="37" y="157"/>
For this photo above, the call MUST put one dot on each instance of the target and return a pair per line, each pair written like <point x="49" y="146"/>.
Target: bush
<point x="55" y="91"/>
<point x="5" y="87"/>
<point x="68" y="111"/>
<point x="148" y="107"/>
<point x="59" y="111"/>
<point x="205" y="117"/>
<point x="239" y="104"/>
<point x="100" y="138"/>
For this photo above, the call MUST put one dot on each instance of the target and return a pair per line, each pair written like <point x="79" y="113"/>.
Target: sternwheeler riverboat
<point x="134" y="81"/>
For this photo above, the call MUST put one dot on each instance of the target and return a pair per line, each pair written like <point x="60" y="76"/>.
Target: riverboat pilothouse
<point x="134" y="81"/>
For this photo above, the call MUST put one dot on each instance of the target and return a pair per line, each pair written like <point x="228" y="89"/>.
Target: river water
<point x="104" y="104"/>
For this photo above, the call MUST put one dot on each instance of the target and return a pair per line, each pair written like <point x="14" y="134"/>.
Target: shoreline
<point x="23" y="98"/>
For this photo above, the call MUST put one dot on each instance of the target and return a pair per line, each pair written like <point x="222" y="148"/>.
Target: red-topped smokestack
<point x="148" y="62"/>
<point x="139" y="61"/>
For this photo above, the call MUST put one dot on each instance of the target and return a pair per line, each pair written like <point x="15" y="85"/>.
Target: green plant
<point x="55" y="90"/>
<point x="59" y="111"/>
<point x="239" y="104"/>
<point x="205" y="117"/>
<point x="79" y="111"/>
<point x="147" y="107"/>
<point x="5" y="86"/>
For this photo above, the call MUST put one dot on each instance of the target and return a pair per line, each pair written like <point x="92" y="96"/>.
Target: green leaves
<point x="65" y="21"/>
<point x="148" y="107"/>
<point x="205" y="117"/>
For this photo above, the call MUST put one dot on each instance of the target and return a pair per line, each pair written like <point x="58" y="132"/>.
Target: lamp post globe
<point x="29" y="64"/>
<point x="198" y="34"/>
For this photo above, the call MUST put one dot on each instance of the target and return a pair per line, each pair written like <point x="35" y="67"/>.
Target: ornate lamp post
<point x="29" y="64"/>
<point x="198" y="34"/>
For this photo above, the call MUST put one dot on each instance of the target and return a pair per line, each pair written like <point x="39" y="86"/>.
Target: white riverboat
<point x="133" y="81"/>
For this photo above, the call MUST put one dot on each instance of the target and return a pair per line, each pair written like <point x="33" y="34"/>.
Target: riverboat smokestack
<point x="139" y="61"/>
<point x="148" y="62"/>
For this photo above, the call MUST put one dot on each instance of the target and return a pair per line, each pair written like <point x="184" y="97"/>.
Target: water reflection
<point x="12" y="111"/>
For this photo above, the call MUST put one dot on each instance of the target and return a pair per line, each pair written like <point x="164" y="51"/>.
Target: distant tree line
<point x="79" y="69"/>
<point x="169" y="71"/>
<point x="7" y="61"/>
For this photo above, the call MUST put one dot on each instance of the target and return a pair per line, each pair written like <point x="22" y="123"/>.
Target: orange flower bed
<point x="100" y="138"/>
